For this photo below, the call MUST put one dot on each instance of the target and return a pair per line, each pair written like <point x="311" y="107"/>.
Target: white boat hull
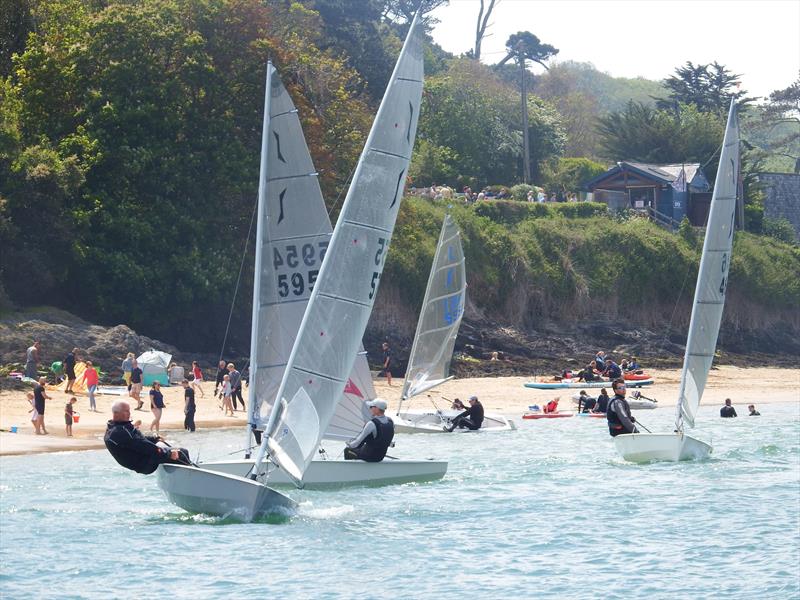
<point x="326" y="474"/>
<point x="201" y="491"/>
<point x="430" y="421"/>
<point x="670" y="447"/>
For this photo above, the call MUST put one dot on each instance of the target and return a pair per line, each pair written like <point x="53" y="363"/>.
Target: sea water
<point x="547" y="511"/>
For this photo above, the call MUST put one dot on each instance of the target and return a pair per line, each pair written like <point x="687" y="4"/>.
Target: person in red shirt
<point x="197" y="372"/>
<point x="91" y="379"/>
<point x="551" y="406"/>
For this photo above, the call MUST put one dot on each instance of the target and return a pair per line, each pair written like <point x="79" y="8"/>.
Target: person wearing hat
<point x="374" y="440"/>
<point x="471" y="419"/>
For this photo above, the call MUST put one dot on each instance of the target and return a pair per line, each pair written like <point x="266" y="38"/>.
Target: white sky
<point x="758" y="39"/>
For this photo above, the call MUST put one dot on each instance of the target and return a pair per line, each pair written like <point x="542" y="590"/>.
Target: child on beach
<point x="226" y="395"/>
<point x="34" y="414"/>
<point x="197" y="372"/>
<point x="68" y="412"/>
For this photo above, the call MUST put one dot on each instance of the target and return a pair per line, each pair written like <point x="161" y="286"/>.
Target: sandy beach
<point x="501" y="394"/>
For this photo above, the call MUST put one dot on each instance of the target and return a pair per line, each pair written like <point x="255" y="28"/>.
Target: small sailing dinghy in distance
<point x="439" y="320"/>
<point x="709" y="301"/>
<point x="327" y="343"/>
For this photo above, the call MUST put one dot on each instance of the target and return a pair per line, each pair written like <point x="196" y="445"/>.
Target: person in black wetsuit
<point x="619" y="412"/>
<point x="189" y="406"/>
<point x="135" y="451"/>
<point x="472" y="418"/>
<point x="727" y="411"/>
<point x="602" y="402"/>
<point x="374" y="440"/>
<point x="585" y="402"/>
<point x="69" y="369"/>
<point x="753" y="411"/>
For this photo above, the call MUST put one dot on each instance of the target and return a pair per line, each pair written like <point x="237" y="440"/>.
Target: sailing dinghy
<point x="344" y="288"/>
<point x="439" y="320"/>
<point x="709" y="301"/>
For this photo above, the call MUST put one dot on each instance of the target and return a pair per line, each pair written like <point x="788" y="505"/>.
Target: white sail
<point x="712" y="279"/>
<point x="440" y="317"/>
<point x="341" y="302"/>
<point x="293" y="232"/>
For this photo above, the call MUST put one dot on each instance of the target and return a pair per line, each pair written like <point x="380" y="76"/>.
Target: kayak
<point x="569" y="384"/>
<point x="555" y="415"/>
<point x="634" y="376"/>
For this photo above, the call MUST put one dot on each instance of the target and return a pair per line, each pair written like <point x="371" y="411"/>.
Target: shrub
<point x="780" y="229"/>
<point x="520" y="191"/>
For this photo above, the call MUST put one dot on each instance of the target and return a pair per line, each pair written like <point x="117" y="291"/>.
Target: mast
<point x="254" y="322"/>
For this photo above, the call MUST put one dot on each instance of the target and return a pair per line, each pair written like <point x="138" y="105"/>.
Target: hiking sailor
<point x="472" y="418"/>
<point x="619" y="412"/>
<point x="376" y="437"/>
<point x="135" y="451"/>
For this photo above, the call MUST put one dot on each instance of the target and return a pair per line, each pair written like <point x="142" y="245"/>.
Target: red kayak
<point x="633" y="376"/>
<point x="553" y="415"/>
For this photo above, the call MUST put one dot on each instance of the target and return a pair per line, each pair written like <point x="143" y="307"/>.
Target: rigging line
<point x="238" y="280"/>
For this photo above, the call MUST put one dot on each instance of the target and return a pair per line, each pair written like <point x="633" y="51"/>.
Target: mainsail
<point x="440" y="317"/>
<point x="712" y="279"/>
<point x="341" y="301"/>
<point x="292" y="236"/>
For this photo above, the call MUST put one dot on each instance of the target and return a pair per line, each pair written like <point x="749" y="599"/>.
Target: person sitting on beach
<point x="619" y="416"/>
<point x="457" y="405"/>
<point x="633" y="365"/>
<point x="587" y="373"/>
<point x="727" y="411"/>
<point x="135" y="451"/>
<point x="375" y="438"/>
<point x="753" y="411"/>
<point x="471" y="419"/>
<point x="624" y="365"/>
<point x="601" y="405"/>
<point x="585" y="402"/>
<point x="552" y="406"/>
<point x="612" y="370"/>
<point x="600" y="361"/>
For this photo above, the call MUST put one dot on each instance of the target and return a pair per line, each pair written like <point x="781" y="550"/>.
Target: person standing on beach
<point x="226" y="395"/>
<point x="127" y="367"/>
<point x="236" y="385"/>
<point x="197" y="373"/>
<point x="727" y="411"/>
<point x="34" y="414"/>
<point x="68" y="412"/>
<point x="222" y="370"/>
<point x="69" y="369"/>
<point x="189" y="407"/>
<point x="387" y="362"/>
<point x="32" y="360"/>
<point x="39" y="397"/>
<point x="91" y="379"/>
<point x="136" y="383"/>
<point x="619" y="411"/>
<point x="156" y="405"/>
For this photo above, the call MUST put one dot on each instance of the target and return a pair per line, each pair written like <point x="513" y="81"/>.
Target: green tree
<point x="709" y="88"/>
<point x="568" y="175"/>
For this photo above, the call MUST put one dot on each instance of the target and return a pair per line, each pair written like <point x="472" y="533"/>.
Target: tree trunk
<point x="526" y="149"/>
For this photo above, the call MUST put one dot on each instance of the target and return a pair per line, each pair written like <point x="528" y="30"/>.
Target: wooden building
<point x="671" y="191"/>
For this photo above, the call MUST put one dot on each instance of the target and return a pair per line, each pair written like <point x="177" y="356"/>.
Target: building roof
<point x="664" y="174"/>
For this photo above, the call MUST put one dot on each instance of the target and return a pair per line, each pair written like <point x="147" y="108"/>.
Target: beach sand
<point x="498" y="394"/>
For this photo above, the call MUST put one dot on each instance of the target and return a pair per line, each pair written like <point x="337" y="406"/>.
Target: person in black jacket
<point x="602" y="402"/>
<point x="135" y="451"/>
<point x="69" y="369"/>
<point x="472" y="418"/>
<point x="727" y="411"/>
<point x="619" y="412"/>
<point x="375" y="438"/>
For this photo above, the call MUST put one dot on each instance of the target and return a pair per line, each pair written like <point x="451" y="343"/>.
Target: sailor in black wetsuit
<point x="602" y="402"/>
<point x="374" y="440"/>
<point x="132" y="449"/>
<point x="472" y="418"/>
<point x="619" y="412"/>
<point x="727" y="411"/>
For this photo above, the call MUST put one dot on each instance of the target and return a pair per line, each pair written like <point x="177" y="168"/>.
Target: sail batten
<point x="712" y="278"/>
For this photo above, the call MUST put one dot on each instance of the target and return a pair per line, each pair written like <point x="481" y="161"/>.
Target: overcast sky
<point x="760" y="40"/>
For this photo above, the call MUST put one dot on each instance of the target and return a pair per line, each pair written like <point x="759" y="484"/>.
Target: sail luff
<point x="254" y="323"/>
<point x="339" y="306"/>
<point x="712" y="278"/>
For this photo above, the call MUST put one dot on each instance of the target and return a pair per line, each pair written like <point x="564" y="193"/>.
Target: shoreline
<point x="759" y="386"/>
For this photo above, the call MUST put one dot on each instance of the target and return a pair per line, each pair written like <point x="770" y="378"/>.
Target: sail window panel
<point x="328" y="346"/>
<point x="287" y="153"/>
<point x="382" y="182"/>
<point x="364" y="252"/>
<point x="290" y="267"/>
<point x="395" y="132"/>
<point x="295" y="207"/>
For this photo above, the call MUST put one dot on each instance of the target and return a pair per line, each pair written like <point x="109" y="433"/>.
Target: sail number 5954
<point x="293" y="257"/>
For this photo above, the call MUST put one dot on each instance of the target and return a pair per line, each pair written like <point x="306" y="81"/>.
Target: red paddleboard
<point x="555" y="415"/>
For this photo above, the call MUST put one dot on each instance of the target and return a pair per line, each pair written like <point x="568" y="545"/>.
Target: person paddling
<point x="375" y="438"/>
<point x="619" y="411"/>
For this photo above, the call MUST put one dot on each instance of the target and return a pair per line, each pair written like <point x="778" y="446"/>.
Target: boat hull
<point x="653" y="447"/>
<point x="327" y="474"/>
<point x="429" y="421"/>
<point x="554" y="415"/>
<point x="201" y="491"/>
<point x="575" y="385"/>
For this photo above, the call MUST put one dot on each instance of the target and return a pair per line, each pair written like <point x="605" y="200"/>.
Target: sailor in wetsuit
<point x="472" y="418"/>
<point x="727" y="411"/>
<point x="135" y="451"/>
<point x="619" y="412"/>
<point x="374" y="440"/>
